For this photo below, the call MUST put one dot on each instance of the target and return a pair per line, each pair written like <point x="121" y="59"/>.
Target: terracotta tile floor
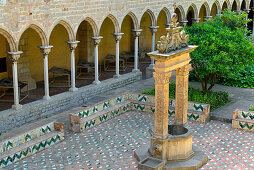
<point x="111" y="145"/>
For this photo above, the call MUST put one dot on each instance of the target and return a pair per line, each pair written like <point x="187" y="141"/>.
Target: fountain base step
<point x="147" y="162"/>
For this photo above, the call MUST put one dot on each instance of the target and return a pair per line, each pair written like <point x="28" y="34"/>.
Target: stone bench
<point x="22" y="145"/>
<point x="108" y="109"/>
<point x="243" y="120"/>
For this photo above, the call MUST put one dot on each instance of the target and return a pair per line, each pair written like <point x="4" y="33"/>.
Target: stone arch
<point x="206" y="5"/>
<point x="195" y="10"/>
<point x="235" y="5"/>
<point x="134" y="19"/>
<point x="91" y="22"/>
<point x="204" y="11"/>
<point x="244" y="5"/>
<point x="226" y="4"/>
<point x="115" y="22"/>
<point x="191" y="14"/>
<point x="167" y="12"/>
<point x="182" y="13"/>
<point x="217" y="3"/>
<point x="66" y="25"/>
<point x="39" y="30"/>
<point x="10" y="39"/>
<point x="151" y="15"/>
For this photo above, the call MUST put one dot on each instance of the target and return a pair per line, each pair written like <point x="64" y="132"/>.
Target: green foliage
<point x="223" y="49"/>
<point x="251" y="108"/>
<point x="215" y="99"/>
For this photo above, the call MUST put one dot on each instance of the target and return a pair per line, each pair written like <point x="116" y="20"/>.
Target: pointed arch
<point x="134" y="20"/>
<point x="195" y="10"/>
<point x="181" y="10"/>
<point x="207" y="8"/>
<point x="39" y="30"/>
<point x="151" y="16"/>
<point x="217" y="3"/>
<point x="66" y="25"/>
<point x="237" y="3"/>
<point x="167" y="12"/>
<point x="91" y="22"/>
<point x="10" y="39"/>
<point x="115" y="23"/>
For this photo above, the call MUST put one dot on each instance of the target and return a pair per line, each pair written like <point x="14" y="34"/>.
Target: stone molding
<point x="45" y="50"/>
<point x="14" y="56"/>
<point x="183" y="71"/>
<point x="162" y="78"/>
<point x="96" y="40"/>
<point x="72" y="44"/>
<point x="153" y="29"/>
<point x="136" y="32"/>
<point x="117" y="36"/>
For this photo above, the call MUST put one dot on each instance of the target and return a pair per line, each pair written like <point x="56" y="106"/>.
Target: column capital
<point x="14" y="56"/>
<point x="72" y="44"/>
<point x="117" y="36"/>
<point x="184" y="23"/>
<point x="45" y="50"/>
<point x="136" y="32"/>
<point x="196" y="19"/>
<point x="247" y="10"/>
<point x="208" y="17"/>
<point x="162" y="78"/>
<point x="96" y="40"/>
<point x="183" y="71"/>
<point x="153" y="29"/>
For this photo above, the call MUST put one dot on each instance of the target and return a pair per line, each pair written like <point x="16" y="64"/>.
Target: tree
<point x="223" y="48"/>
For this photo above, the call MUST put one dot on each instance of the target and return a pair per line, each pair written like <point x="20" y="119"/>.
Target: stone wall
<point x="61" y="102"/>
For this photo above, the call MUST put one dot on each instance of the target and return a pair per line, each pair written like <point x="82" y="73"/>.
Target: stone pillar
<point x="196" y="20"/>
<point x="181" y="105"/>
<point x="136" y="33"/>
<point x="184" y="23"/>
<point x="161" y="77"/>
<point x="96" y="41"/>
<point x="117" y="37"/>
<point x="153" y="29"/>
<point x="253" y="21"/>
<point x="73" y="45"/>
<point x="14" y="56"/>
<point x="45" y="50"/>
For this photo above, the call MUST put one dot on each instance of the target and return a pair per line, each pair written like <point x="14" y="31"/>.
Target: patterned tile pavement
<point x="110" y="146"/>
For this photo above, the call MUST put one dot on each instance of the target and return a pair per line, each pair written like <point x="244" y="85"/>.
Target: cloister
<point x="61" y="39"/>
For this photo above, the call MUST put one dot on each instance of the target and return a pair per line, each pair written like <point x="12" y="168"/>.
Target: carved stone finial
<point x="174" y="39"/>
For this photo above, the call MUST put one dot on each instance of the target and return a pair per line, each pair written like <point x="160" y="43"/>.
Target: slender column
<point x="96" y="41"/>
<point x="153" y="29"/>
<point x="184" y="23"/>
<point x="181" y="105"/>
<point x="45" y="50"/>
<point x="161" y="101"/>
<point x="247" y="12"/>
<point x="136" y="34"/>
<point x="117" y="37"/>
<point x="253" y="21"/>
<point x="14" y="56"/>
<point x="196" y="20"/>
<point x="73" y="45"/>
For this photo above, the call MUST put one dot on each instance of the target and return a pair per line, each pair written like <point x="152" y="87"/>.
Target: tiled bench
<point x="243" y="120"/>
<point x="25" y="144"/>
<point x="103" y="111"/>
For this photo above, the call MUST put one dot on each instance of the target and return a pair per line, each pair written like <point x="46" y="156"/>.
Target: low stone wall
<point x="61" y="102"/>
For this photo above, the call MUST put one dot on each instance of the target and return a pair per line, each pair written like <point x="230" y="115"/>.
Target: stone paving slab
<point x="110" y="145"/>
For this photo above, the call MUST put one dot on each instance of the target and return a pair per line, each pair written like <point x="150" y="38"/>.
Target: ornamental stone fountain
<point x="171" y="145"/>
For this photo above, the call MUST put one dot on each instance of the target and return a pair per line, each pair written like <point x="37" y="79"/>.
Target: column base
<point x="46" y="97"/>
<point x="135" y="70"/>
<point x="151" y="66"/>
<point x="149" y="72"/>
<point x="96" y="82"/>
<point x="16" y="107"/>
<point x="116" y="76"/>
<point x="73" y="89"/>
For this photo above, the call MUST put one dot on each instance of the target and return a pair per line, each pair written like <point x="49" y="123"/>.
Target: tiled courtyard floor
<point x="111" y="145"/>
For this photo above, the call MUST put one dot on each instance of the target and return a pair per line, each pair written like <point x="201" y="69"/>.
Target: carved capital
<point x="154" y="29"/>
<point x="183" y="71"/>
<point x="196" y="20"/>
<point x="96" y="40"/>
<point x="161" y="78"/>
<point x="136" y="32"/>
<point x="208" y="17"/>
<point x="45" y="50"/>
<point x="117" y="36"/>
<point x="247" y="11"/>
<point x="72" y="44"/>
<point x="14" y="56"/>
<point x="184" y="23"/>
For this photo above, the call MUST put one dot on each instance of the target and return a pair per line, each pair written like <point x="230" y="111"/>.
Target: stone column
<point x="96" y="41"/>
<point x="73" y="45"/>
<point x="196" y="20"/>
<point x="14" y="56"/>
<point x="253" y="21"/>
<point x="153" y="29"/>
<point x="45" y="50"/>
<point x="161" y="77"/>
<point x="181" y="104"/>
<point x="184" y="23"/>
<point x="117" y="37"/>
<point x="136" y="34"/>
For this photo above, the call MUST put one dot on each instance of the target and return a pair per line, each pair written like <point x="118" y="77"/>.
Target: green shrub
<point x="251" y="108"/>
<point x="215" y="99"/>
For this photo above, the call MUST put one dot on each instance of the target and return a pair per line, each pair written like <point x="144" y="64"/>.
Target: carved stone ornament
<point x="72" y="44"/>
<point x="136" y="32"/>
<point x="14" y="56"/>
<point x="117" y="36"/>
<point x="96" y="40"/>
<point x="45" y="50"/>
<point x="161" y="78"/>
<point x="174" y="40"/>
